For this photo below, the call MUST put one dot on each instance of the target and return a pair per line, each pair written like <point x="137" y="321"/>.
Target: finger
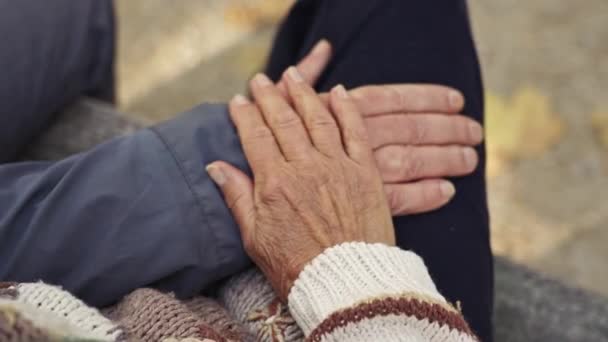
<point x="381" y="99"/>
<point x="423" y="129"/>
<point x="259" y="145"/>
<point x="399" y="163"/>
<point x="237" y="189"/>
<point x="312" y="65"/>
<point x="285" y="123"/>
<point x="352" y="127"/>
<point x="418" y="197"/>
<point x="320" y="124"/>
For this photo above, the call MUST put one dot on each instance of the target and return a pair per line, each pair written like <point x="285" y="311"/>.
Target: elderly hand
<point x="416" y="134"/>
<point x="315" y="185"/>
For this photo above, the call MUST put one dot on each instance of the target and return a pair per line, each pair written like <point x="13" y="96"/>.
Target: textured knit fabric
<point x="351" y="292"/>
<point x="53" y="301"/>
<point x="252" y="301"/>
<point x="150" y="315"/>
<point x="40" y="312"/>
<point x="15" y="327"/>
<point x="372" y="292"/>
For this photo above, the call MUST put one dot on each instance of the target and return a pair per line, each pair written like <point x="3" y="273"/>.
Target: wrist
<point x="294" y="268"/>
<point x="283" y="277"/>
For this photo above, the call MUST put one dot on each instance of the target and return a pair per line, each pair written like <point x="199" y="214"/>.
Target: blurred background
<point x="545" y="65"/>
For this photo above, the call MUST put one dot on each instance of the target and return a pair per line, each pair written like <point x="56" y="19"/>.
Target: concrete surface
<point x="546" y="75"/>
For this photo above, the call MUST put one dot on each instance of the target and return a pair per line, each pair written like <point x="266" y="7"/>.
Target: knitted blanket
<point x="245" y="309"/>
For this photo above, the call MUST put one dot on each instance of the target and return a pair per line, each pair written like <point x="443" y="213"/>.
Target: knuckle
<point x="417" y="131"/>
<point x="358" y="134"/>
<point x="286" y="120"/>
<point x="388" y="158"/>
<point x="457" y="131"/>
<point x="260" y="132"/>
<point x="381" y="158"/>
<point x="459" y="128"/>
<point x="316" y="117"/>
<point x="413" y="166"/>
<point x="322" y="122"/>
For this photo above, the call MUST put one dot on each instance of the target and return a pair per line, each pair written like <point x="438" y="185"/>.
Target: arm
<point x="136" y="211"/>
<point x="367" y="292"/>
<point x="133" y="211"/>
<point x="75" y="222"/>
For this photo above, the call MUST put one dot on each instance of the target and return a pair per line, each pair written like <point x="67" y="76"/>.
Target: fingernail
<point x="239" y="99"/>
<point x="447" y="189"/>
<point x="470" y="157"/>
<point x="262" y="80"/>
<point x="319" y="47"/>
<point x="340" y="91"/>
<point x="216" y="174"/>
<point x="455" y="98"/>
<point x="476" y="132"/>
<point x="295" y="76"/>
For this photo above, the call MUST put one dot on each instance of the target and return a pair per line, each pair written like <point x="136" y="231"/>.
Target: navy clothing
<point x="140" y="210"/>
<point x="402" y="41"/>
<point x="51" y="52"/>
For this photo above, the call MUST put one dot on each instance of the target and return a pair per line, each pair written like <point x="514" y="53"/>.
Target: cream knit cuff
<point x="348" y="274"/>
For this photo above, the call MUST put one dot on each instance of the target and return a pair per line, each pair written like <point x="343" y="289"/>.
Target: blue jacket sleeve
<point x="136" y="211"/>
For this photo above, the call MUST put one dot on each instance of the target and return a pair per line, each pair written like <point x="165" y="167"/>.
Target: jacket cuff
<point x="196" y="138"/>
<point x="349" y="274"/>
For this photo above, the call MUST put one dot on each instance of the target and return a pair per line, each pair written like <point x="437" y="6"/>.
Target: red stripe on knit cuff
<point x="392" y="306"/>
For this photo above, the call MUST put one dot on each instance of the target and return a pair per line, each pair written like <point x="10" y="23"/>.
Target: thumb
<point x="237" y="189"/>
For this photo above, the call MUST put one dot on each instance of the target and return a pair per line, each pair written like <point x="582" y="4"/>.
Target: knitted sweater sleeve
<point x="372" y="292"/>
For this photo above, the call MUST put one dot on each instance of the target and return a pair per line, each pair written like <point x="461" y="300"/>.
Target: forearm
<point x="364" y="292"/>
<point x="135" y="211"/>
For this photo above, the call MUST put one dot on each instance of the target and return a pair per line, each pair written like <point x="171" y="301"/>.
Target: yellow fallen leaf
<point x="253" y="14"/>
<point x="523" y="126"/>
<point x="599" y="121"/>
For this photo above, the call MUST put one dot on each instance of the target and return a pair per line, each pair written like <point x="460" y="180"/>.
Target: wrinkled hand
<point x="418" y="139"/>
<point x="416" y="134"/>
<point x="316" y="184"/>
